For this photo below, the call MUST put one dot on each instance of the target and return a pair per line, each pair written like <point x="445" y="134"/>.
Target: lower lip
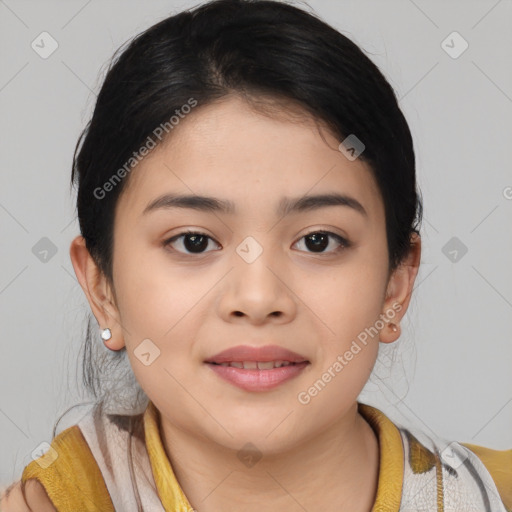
<point x="257" y="380"/>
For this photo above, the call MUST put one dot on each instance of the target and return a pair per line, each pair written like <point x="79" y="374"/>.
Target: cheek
<point x="349" y="306"/>
<point x="150" y="291"/>
<point x="157" y="302"/>
<point x="349" y="302"/>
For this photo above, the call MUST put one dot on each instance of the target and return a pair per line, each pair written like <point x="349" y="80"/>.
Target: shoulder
<point x="499" y="465"/>
<point x="66" y="466"/>
<point x="468" y="477"/>
<point x="26" y="496"/>
<point x="67" y="449"/>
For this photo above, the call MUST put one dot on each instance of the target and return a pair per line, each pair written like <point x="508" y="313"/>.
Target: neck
<point x="336" y="470"/>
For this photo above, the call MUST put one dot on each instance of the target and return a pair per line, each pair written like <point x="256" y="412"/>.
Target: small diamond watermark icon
<point x="44" y="45"/>
<point x="454" y="45"/>
<point x="44" y="455"/>
<point x="249" y="249"/>
<point x="44" y="250"/>
<point x="249" y="455"/>
<point x="351" y="147"/>
<point x="147" y="352"/>
<point x="453" y="456"/>
<point x="454" y="249"/>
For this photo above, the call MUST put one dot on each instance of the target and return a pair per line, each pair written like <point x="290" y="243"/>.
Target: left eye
<point x="319" y="240"/>
<point x="196" y="242"/>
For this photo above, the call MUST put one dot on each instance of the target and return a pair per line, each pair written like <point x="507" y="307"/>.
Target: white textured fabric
<point x="467" y="486"/>
<point x="116" y="452"/>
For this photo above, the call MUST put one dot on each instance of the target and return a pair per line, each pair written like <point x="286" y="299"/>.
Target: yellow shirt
<point x="88" y="468"/>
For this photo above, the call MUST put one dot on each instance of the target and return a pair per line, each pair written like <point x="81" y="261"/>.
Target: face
<point x="307" y="280"/>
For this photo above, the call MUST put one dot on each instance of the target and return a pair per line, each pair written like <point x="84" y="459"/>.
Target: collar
<point x="391" y="461"/>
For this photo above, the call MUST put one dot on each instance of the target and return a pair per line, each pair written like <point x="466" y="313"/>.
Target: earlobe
<point x="390" y="332"/>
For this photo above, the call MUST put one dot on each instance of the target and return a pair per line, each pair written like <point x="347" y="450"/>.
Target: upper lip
<point x="262" y="354"/>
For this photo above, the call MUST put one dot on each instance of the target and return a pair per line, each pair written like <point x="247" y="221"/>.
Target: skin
<point x="12" y="499"/>
<point x="319" y="456"/>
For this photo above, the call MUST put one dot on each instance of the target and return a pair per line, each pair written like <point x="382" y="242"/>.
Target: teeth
<point x="266" y="366"/>
<point x="257" y="365"/>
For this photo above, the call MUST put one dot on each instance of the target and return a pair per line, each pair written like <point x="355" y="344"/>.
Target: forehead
<point x="228" y="151"/>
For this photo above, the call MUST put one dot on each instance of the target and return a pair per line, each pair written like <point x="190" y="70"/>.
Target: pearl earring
<point x="106" y="334"/>
<point x="394" y="328"/>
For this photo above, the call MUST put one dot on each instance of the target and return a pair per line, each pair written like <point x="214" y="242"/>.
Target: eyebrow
<point x="285" y="206"/>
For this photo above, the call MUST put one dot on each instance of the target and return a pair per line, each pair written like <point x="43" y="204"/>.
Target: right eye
<point x="193" y="241"/>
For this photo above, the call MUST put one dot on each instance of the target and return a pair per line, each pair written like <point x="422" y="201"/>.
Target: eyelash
<point x="344" y="243"/>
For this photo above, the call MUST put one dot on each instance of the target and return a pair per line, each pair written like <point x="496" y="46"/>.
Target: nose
<point x="258" y="292"/>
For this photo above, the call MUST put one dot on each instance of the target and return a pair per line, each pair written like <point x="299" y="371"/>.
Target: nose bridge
<point x="254" y="248"/>
<point x="254" y="256"/>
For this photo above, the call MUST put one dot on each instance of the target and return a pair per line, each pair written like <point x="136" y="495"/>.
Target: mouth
<point x="257" y="368"/>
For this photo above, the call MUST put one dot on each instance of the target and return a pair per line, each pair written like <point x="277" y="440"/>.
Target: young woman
<point x="249" y="234"/>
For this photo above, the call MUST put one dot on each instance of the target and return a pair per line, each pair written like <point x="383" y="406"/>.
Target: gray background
<point x="452" y="372"/>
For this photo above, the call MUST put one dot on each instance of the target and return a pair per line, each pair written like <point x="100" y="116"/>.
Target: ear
<point x="98" y="292"/>
<point x="399" y="290"/>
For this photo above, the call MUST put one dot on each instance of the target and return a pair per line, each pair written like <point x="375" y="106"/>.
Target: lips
<point x="247" y="354"/>
<point x="257" y="369"/>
